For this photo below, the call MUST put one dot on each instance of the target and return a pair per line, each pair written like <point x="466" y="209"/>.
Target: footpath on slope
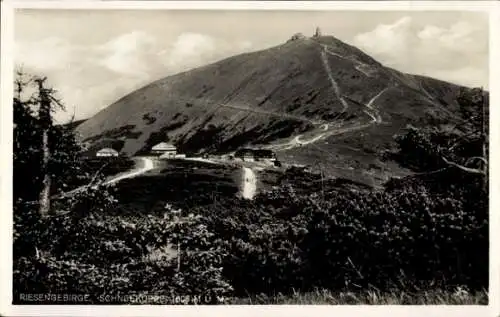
<point x="240" y="107"/>
<point x="249" y="186"/>
<point x="136" y="171"/>
<point x="333" y="82"/>
<point x="359" y="65"/>
<point x="147" y="165"/>
<point x="326" y="128"/>
<point x="370" y="105"/>
<point x="282" y="115"/>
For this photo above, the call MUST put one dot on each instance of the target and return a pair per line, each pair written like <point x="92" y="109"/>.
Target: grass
<point x="460" y="296"/>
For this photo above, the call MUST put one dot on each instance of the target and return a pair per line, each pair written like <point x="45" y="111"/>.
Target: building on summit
<point x="318" y="32"/>
<point x="297" y="37"/>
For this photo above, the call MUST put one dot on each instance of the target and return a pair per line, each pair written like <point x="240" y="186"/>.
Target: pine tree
<point x="46" y="155"/>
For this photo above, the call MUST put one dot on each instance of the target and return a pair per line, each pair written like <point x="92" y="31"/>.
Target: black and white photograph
<point x="210" y="156"/>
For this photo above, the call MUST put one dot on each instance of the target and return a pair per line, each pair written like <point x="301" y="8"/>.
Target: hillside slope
<point x="313" y="100"/>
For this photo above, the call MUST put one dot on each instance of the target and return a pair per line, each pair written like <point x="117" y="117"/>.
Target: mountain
<point x="315" y="101"/>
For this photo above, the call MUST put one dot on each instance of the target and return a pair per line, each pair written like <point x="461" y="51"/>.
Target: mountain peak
<point x="304" y="99"/>
<point x="318" y="34"/>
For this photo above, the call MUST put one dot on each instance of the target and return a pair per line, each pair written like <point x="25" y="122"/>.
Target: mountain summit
<point x="314" y="100"/>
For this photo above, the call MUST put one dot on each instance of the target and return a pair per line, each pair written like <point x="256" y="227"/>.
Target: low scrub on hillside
<point x="411" y="239"/>
<point x="124" y="131"/>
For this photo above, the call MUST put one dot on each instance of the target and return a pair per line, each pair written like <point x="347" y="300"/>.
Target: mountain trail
<point x="282" y="115"/>
<point x="249" y="186"/>
<point x="327" y="131"/>
<point x="359" y="68"/>
<point x="369" y="105"/>
<point x="297" y="141"/>
<point x="147" y="165"/>
<point x="359" y="65"/>
<point x="428" y="95"/>
<point x="245" y="108"/>
<point x="332" y="81"/>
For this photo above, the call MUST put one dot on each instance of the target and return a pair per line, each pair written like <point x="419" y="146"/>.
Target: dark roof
<point x="255" y="152"/>
<point x="264" y="153"/>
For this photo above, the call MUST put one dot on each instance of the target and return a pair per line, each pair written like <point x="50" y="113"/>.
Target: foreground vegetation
<point x="459" y="296"/>
<point x="411" y="240"/>
<point x="185" y="233"/>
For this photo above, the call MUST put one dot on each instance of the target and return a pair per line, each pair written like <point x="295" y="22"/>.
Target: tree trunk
<point x="46" y="122"/>
<point x="485" y="140"/>
<point x="44" y="199"/>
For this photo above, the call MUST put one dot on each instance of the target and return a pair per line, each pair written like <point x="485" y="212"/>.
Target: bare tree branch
<point x="74" y="191"/>
<point x="474" y="158"/>
<point x="81" y="188"/>
<point x="58" y="102"/>
<point x="463" y="168"/>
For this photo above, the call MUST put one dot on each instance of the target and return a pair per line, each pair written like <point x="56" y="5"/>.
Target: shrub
<point x="413" y="235"/>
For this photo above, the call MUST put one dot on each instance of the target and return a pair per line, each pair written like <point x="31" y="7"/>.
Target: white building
<point x="164" y="149"/>
<point x="107" y="152"/>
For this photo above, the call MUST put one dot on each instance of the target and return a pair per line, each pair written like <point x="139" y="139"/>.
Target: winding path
<point x="369" y="105"/>
<point x="359" y="65"/>
<point x="147" y="165"/>
<point x="249" y="187"/>
<point x="328" y="131"/>
<point x="271" y="113"/>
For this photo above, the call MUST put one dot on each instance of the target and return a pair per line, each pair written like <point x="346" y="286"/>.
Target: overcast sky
<point x="95" y="57"/>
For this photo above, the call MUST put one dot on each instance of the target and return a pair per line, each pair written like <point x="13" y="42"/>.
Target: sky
<point x="94" y="57"/>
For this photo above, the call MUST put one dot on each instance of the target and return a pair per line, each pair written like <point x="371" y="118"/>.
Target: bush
<point x="106" y="255"/>
<point x="410" y="236"/>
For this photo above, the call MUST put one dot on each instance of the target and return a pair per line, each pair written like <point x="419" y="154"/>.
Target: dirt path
<point x="314" y="139"/>
<point x="249" y="186"/>
<point x="378" y="118"/>
<point x="242" y="107"/>
<point x="147" y="164"/>
<point x="360" y="69"/>
<point x="199" y="159"/>
<point x="326" y="129"/>
<point x="334" y="84"/>
<point x="271" y="113"/>
<point x="427" y="94"/>
<point x="297" y="141"/>
<point x="360" y="66"/>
